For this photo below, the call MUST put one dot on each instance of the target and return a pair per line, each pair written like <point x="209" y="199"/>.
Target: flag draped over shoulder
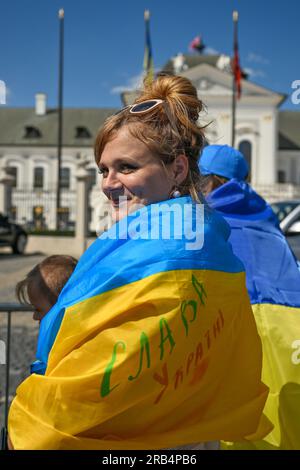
<point x="152" y="343"/>
<point x="148" y="58"/>
<point x="273" y="282"/>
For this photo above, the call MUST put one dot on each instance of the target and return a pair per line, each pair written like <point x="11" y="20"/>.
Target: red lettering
<point x="221" y="317"/>
<point x="216" y="328"/>
<point x="189" y="362"/>
<point x="178" y="376"/>
<point x="207" y="336"/>
<point x="162" y="380"/>
<point x="199" y="371"/>
<point x="199" y="353"/>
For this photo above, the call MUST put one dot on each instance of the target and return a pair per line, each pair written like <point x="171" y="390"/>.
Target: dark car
<point x="288" y="213"/>
<point x="12" y="235"/>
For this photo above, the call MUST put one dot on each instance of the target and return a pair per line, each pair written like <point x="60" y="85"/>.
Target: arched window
<point x="38" y="177"/>
<point x="245" y="147"/>
<point x="65" y="178"/>
<point x="13" y="171"/>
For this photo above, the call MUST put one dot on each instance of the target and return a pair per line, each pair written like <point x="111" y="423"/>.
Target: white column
<point x="267" y="165"/>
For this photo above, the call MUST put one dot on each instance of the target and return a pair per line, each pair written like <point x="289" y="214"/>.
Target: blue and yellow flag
<point x="273" y="282"/>
<point x="152" y="343"/>
<point x="148" y="59"/>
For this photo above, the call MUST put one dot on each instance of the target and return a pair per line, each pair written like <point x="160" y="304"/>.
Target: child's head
<point x="43" y="284"/>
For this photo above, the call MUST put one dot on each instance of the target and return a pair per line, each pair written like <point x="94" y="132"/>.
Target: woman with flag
<point x="152" y="343"/>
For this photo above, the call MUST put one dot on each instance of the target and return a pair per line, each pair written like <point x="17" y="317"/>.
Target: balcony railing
<point x="278" y="191"/>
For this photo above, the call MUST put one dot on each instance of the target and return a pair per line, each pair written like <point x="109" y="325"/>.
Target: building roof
<point x="21" y="126"/>
<point x="289" y="130"/>
<point x="79" y="123"/>
<point x="192" y="60"/>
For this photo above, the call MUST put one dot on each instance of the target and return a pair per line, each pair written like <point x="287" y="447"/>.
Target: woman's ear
<point x="181" y="168"/>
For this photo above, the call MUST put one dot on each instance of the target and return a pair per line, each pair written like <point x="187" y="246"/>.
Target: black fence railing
<point x="35" y="208"/>
<point x="9" y="309"/>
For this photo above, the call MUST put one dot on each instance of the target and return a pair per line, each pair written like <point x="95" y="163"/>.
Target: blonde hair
<point x="169" y="130"/>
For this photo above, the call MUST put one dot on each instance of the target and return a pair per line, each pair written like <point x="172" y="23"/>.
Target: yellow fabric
<point x="279" y="329"/>
<point x="169" y="360"/>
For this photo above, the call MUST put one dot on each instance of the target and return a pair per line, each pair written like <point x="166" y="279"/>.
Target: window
<point x="32" y="132"/>
<point x="13" y="171"/>
<point x="92" y="177"/>
<point x="90" y="215"/>
<point x="82" y="133"/>
<point x="38" y="177"/>
<point x="245" y="147"/>
<point x="293" y="171"/>
<point x="65" y="178"/>
<point x="281" y="176"/>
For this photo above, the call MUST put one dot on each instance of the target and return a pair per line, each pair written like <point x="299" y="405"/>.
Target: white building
<point x="268" y="137"/>
<point x="28" y="147"/>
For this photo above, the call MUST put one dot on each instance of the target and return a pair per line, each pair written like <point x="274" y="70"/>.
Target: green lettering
<point x="163" y="339"/>
<point x="184" y="306"/>
<point x="144" y="346"/>
<point x="105" y="386"/>
<point x="198" y="286"/>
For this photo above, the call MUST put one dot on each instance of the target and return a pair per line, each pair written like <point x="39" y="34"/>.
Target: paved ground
<point x="13" y="268"/>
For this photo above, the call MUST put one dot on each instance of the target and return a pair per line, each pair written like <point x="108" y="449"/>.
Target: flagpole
<point x="61" y="15"/>
<point x="148" y="59"/>
<point x="234" y="88"/>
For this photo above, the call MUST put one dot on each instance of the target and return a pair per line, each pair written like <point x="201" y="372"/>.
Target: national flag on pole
<point x="148" y="59"/>
<point x="236" y="68"/>
<point x="197" y="44"/>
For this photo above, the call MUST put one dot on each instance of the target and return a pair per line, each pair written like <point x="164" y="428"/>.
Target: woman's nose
<point x="111" y="182"/>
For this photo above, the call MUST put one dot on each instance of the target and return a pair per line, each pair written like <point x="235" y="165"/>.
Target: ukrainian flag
<point x="273" y="282"/>
<point x="152" y="343"/>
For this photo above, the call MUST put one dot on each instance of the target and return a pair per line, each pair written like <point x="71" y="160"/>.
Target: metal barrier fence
<point x="9" y="308"/>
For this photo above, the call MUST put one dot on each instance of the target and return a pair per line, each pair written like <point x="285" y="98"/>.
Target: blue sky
<point x="104" y="44"/>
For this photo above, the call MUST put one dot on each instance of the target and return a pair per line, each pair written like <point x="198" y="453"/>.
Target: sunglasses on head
<point x="142" y="107"/>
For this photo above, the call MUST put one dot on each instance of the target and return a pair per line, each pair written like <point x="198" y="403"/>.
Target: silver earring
<point x="176" y="194"/>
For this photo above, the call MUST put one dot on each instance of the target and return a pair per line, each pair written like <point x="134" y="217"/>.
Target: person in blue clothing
<point x="273" y="283"/>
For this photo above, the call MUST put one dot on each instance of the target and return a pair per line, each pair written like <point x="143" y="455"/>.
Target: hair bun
<point x="179" y="92"/>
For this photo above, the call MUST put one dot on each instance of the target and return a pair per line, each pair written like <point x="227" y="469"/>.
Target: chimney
<point x="40" y="104"/>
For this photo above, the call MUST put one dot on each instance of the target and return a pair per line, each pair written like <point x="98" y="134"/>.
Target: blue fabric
<point x="115" y="259"/>
<point x="223" y="160"/>
<point x="271" y="268"/>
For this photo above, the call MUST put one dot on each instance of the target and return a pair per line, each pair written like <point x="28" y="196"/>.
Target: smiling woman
<point x="138" y="176"/>
<point x="149" y="151"/>
<point x="152" y="344"/>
